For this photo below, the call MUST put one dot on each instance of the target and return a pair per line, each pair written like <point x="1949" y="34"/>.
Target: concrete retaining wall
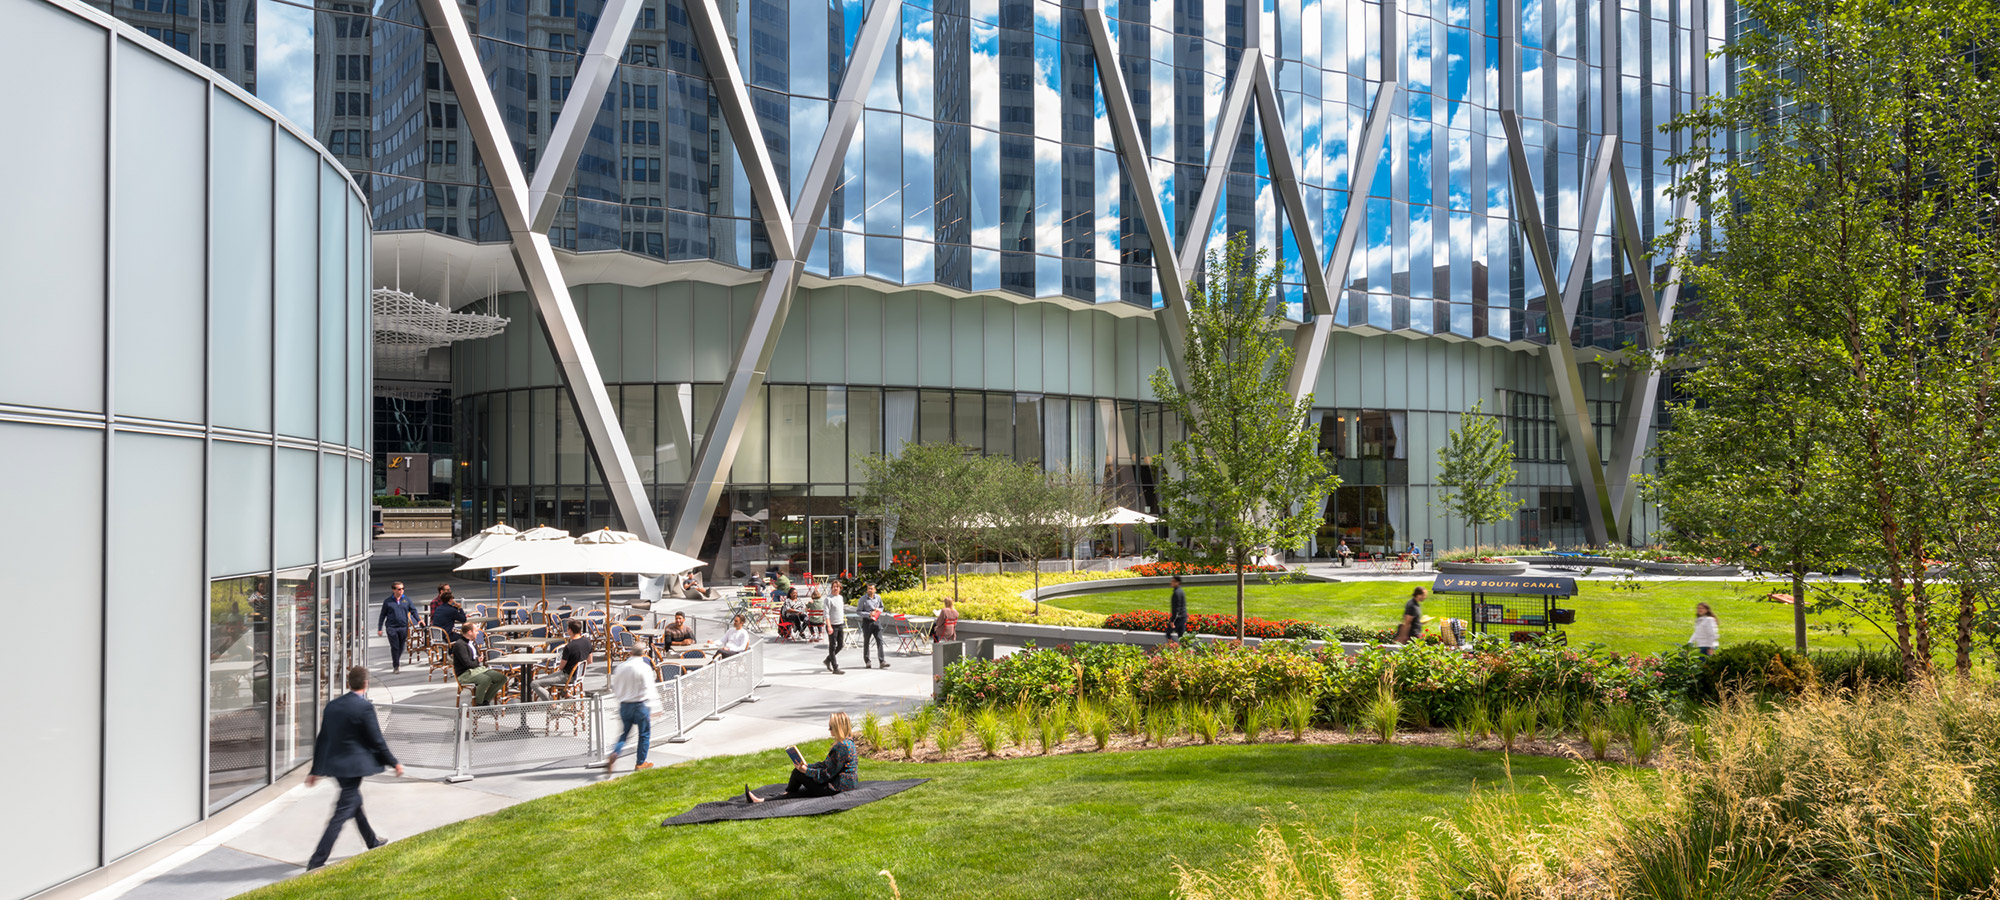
<point x="1017" y="633"/>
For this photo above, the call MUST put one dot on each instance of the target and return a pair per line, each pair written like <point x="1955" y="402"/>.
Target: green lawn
<point x="1655" y="616"/>
<point x="1083" y="825"/>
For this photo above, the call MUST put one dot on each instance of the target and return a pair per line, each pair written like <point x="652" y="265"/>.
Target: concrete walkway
<point x="273" y="842"/>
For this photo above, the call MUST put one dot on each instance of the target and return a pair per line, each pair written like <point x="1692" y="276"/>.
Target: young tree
<point x="1854" y="287"/>
<point x="1476" y="466"/>
<point x="1249" y="474"/>
<point x="1035" y="511"/>
<point x="931" y="494"/>
<point x="1749" y="478"/>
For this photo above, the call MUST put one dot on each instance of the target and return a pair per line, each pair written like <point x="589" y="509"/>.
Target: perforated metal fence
<point x="422" y="736"/>
<point x="475" y="740"/>
<point x="690" y="699"/>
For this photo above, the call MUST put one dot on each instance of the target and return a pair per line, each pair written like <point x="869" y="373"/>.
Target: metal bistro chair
<point x="510" y="611"/>
<point x="619" y="645"/>
<point x="635" y="620"/>
<point x="439" y="649"/>
<point x="567" y="702"/>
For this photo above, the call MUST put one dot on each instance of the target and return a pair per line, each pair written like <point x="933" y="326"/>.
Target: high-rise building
<point x="991" y="249"/>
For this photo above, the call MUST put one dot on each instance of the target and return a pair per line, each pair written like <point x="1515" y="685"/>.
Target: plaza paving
<point x="272" y="843"/>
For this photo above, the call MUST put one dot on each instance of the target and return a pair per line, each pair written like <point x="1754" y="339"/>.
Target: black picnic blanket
<point x="777" y="806"/>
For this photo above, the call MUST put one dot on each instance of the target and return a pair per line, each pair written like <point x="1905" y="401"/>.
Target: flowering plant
<point x="1158" y="569"/>
<point x="1154" y="620"/>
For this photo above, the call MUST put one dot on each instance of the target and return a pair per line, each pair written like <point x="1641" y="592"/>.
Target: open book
<point x="798" y="759"/>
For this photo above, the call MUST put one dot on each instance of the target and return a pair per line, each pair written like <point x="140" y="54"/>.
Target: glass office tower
<point x="984" y="273"/>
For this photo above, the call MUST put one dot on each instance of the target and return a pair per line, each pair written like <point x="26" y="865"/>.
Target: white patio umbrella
<point x="501" y="554"/>
<point x="482" y="542"/>
<point x="1119" y="515"/>
<point x="605" y="552"/>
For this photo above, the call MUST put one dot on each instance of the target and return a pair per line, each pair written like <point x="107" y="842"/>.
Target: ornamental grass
<point x="1878" y="793"/>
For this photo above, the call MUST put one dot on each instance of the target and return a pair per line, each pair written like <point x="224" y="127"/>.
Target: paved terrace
<point x="272" y="842"/>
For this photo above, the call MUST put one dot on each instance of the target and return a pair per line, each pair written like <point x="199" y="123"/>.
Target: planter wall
<point x="1018" y="633"/>
<point x="1163" y="582"/>
<point x="1465" y="568"/>
<point x="1660" y="568"/>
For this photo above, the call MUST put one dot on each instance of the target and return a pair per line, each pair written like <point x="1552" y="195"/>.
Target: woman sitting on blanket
<point x="824" y="779"/>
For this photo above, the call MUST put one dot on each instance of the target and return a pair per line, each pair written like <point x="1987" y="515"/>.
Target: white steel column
<point x="1173" y="313"/>
<point x="791" y="228"/>
<point x="596" y="72"/>
<point x="536" y="259"/>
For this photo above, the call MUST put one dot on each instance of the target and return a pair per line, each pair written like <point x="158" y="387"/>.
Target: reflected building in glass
<point x="985" y="271"/>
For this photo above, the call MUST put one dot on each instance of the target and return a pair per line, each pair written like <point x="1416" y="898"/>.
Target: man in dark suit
<point x="349" y="748"/>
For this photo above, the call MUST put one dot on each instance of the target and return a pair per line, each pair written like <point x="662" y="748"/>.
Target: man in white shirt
<point x="735" y="640"/>
<point x="836" y="632"/>
<point x="632" y="685"/>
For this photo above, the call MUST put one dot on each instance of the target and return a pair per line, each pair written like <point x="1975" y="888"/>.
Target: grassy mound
<point x="1085" y="825"/>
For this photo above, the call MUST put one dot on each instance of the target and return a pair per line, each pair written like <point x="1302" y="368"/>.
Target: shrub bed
<point x="1435" y="684"/>
<point x="1162" y="569"/>
<point x="997" y="598"/>
<point x="1267" y="629"/>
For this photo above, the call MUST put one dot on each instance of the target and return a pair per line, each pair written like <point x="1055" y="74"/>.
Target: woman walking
<point x="1706" y="637"/>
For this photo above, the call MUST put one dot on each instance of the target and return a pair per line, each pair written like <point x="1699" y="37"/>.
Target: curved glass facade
<point x="985" y="185"/>
<point x="858" y="371"/>
<point x="984" y="161"/>
<point x="182" y="417"/>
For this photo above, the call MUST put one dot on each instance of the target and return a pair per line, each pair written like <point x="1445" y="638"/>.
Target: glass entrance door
<point x="827" y="543"/>
<point x="868" y="544"/>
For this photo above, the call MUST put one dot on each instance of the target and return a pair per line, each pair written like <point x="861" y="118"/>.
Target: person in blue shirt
<point x="398" y="615"/>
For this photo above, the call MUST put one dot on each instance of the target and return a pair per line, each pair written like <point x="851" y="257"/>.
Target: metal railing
<point x="465" y="741"/>
<point x="703" y="693"/>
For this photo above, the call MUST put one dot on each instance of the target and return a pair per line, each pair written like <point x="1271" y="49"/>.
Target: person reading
<point x="838" y="772"/>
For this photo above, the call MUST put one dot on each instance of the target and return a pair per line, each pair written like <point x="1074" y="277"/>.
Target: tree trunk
<point x="1920" y="605"/>
<point x="1799" y="603"/>
<point x="1239" y="597"/>
<point x="1965" y="612"/>
<point x="1037" y="563"/>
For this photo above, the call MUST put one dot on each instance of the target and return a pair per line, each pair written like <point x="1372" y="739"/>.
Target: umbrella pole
<point x="545" y="590"/>
<point x="607" y="611"/>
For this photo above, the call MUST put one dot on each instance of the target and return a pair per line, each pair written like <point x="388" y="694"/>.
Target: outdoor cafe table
<point x="523" y="643"/>
<point x="652" y="635"/>
<point x="525" y="663"/>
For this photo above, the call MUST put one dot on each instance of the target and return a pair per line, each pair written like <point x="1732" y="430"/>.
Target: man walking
<point x="870" y="609"/>
<point x="1413" y="618"/>
<point x="1177" y="612"/>
<point x="398" y="614"/>
<point x="632" y="684"/>
<point x="836" y="631"/>
<point x="349" y="748"/>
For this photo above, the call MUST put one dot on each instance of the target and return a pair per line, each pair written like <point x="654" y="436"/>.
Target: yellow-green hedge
<point x="997" y="598"/>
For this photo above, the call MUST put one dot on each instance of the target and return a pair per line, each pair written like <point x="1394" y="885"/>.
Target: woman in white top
<point x="735" y="640"/>
<point x="1706" y="637"/>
